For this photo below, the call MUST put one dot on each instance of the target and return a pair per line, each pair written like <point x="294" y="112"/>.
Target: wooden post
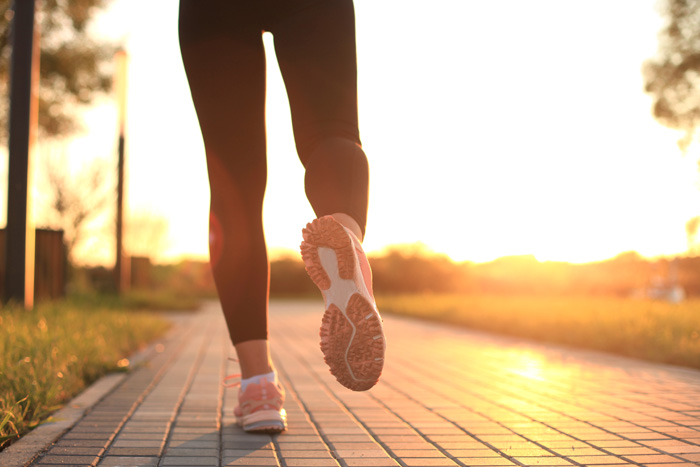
<point x="24" y="81"/>
<point x="121" y="268"/>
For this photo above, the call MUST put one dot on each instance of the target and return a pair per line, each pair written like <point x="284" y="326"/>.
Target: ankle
<point x="254" y="358"/>
<point x="349" y="223"/>
<point x="254" y="374"/>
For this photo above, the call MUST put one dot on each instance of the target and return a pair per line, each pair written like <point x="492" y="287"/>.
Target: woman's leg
<point x="224" y="60"/>
<point x="315" y="46"/>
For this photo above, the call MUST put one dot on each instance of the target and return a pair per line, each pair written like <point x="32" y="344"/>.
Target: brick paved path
<point x="448" y="397"/>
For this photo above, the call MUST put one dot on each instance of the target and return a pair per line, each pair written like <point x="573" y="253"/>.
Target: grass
<point x="651" y="330"/>
<point x="153" y="300"/>
<point x="50" y="354"/>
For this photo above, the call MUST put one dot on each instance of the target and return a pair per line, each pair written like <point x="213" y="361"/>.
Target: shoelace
<point x="233" y="376"/>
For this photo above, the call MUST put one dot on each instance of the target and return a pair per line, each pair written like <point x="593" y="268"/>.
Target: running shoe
<point x="352" y="338"/>
<point x="259" y="408"/>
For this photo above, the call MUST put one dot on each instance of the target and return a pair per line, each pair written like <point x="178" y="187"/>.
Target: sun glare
<point x="528" y="365"/>
<point x="488" y="135"/>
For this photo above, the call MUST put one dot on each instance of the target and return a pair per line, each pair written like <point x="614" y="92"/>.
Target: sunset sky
<point x="492" y="129"/>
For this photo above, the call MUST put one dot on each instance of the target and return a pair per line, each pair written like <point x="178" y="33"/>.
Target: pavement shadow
<point x="231" y="445"/>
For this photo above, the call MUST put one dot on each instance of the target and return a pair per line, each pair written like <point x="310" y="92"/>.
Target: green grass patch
<point x="161" y="300"/>
<point x="651" y="330"/>
<point x="154" y="300"/>
<point x="50" y="354"/>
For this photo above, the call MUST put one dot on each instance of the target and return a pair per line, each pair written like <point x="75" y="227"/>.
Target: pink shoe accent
<point x="352" y="338"/>
<point x="259" y="408"/>
<point x="365" y="269"/>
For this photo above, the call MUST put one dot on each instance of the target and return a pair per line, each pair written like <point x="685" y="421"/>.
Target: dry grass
<point x="650" y="330"/>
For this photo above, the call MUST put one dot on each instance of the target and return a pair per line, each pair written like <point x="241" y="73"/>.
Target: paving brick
<point x="68" y="460"/>
<point x="305" y="454"/>
<point x="428" y="462"/>
<point x="187" y="452"/>
<point x="311" y="462"/>
<point x="623" y="451"/>
<point x="140" y="436"/>
<point x="71" y="465"/>
<point x="690" y="457"/>
<point x="195" y="436"/>
<point x="75" y="451"/>
<point x="385" y="438"/>
<point x="529" y="452"/>
<point x="167" y="460"/>
<point x="341" y="445"/>
<point x="193" y="443"/>
<point x="573" y="444"/>
<point x="250" y="461"/>
<point x="680" y="449"/>
<point x="85" y="435"/>
<point x="473" y="453"/>
<point x="345" y="453"/>
<point x="142" y="452"/>
<point x="132" y="443"/>
<point x="116" y="461"/>
<point x="83" y="443"/>
<point x="652" y="459"/>
<point x="305" y="447"/>
<point x="485" y="461"/>
<point x="362" y="462"/>
<point x="597" y="460"/>
<point x="95" y="428"/>
<point x="541" y="460"/>
<point x="255" y="445"/>
<point x="408" y="446"/>
<point x="621" y="443"/>
<point x="248" y="453"/>
<point x="287" y="438"/>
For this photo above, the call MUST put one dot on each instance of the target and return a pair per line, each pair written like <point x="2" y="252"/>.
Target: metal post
<point x="24" y="76"/>
<point x="121" y="266"/>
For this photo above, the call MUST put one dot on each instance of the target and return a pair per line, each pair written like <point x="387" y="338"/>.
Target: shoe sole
<point x="263" y="421"/>
<point x="352" y="338"/>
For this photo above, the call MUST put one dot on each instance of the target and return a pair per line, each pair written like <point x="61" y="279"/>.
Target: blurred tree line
<point x="398" y="272"/>
<point x="401" y="271"/>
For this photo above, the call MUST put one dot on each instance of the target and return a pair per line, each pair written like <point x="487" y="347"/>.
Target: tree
<point x="72" y="200"/>
<point x="74" y="67"/>
<point x="672" y="77"/>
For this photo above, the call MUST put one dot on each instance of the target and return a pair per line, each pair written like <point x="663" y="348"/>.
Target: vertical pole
<point x="121" y="269"/>
<point x="24" y="77"/>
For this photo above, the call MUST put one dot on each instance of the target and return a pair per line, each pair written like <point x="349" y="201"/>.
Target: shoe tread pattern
<point x="365" y="354"/>
<point x="326" y="232"/>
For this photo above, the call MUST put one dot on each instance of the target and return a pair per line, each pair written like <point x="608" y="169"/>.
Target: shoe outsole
<point x="352" y="340"/>
<point x="325" y="232"/>
<point x="352" y="344"/>
<point x="264" y="421"/>
<point x="264" y="428"/>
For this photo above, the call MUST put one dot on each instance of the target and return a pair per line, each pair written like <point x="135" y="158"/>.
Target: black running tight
<point x="222" y="50"/>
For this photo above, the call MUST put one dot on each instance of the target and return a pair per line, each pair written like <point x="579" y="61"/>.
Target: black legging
<point x="222" y="50"/>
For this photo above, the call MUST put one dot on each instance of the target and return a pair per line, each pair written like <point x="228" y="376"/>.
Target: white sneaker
<point x="352" y="338"/>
